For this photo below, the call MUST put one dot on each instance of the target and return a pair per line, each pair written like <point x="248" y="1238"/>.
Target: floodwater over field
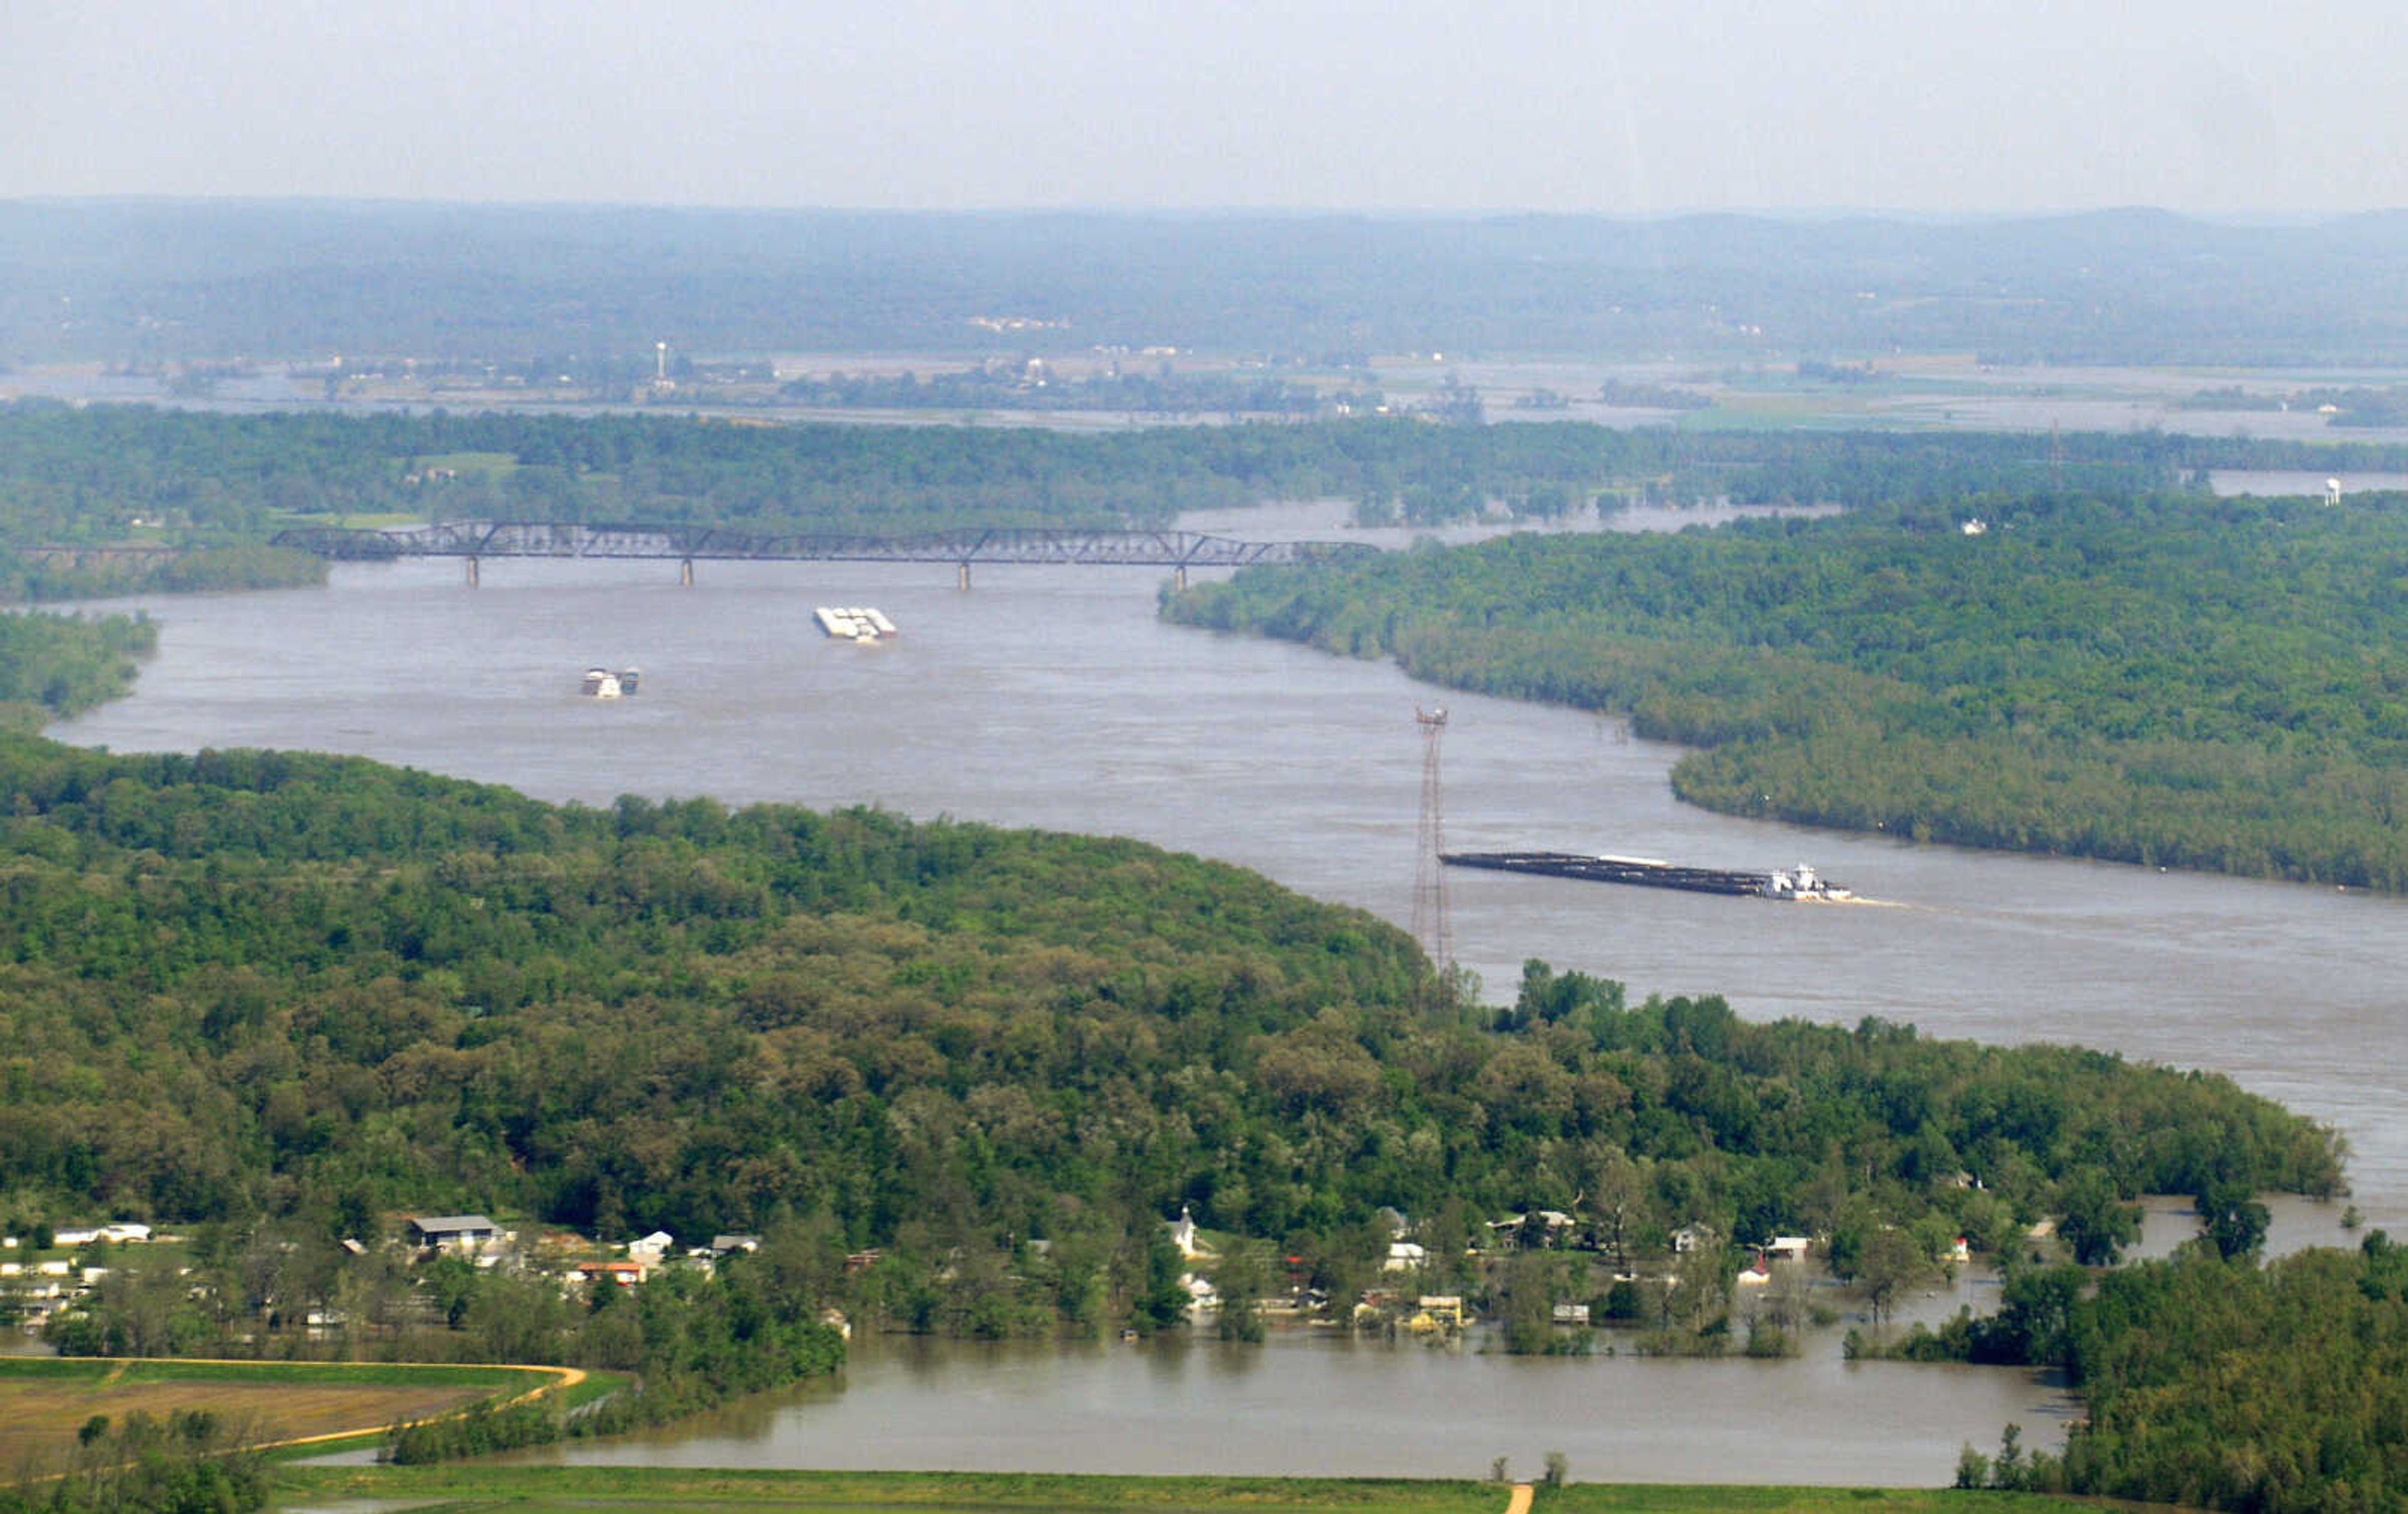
<point x="2271" y="483"/>
<point x="1312" y="1403"/>
<point x="1054" y="697"/>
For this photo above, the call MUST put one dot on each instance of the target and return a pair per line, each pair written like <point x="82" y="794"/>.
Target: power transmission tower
<point x="1430" y="926"/>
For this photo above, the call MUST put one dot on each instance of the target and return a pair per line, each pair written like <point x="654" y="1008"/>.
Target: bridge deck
<point x="539" y="538"/>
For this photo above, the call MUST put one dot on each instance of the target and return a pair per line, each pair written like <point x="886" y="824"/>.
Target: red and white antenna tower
<point x="1430" y="926"/>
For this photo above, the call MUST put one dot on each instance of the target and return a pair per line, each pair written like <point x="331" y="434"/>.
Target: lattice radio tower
<point x="1430" y="926"/>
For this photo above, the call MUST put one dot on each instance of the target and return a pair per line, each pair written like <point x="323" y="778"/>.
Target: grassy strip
<point x="1643" y="1498"/>
<point x="535" y="1489"/>
<point x="473" y="1486"/>
<point x="372" y="1374"/>
<point x="596" y="1385"/>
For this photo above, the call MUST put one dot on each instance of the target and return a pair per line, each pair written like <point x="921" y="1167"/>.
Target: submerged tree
<point x="2098" y="1223"/>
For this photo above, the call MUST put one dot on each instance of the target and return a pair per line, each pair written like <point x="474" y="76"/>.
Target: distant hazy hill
<point x="163" y="280"/>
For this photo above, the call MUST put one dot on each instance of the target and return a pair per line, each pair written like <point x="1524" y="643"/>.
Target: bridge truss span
<point x="1179" y="549"/>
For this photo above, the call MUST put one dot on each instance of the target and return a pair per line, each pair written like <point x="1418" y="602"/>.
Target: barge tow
<point x="1799" y="883"/>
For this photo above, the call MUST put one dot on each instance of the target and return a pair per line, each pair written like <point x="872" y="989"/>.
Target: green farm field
<point x="44" y="1401"/>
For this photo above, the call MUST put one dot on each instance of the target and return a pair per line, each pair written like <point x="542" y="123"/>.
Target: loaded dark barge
<point x="1801" y="882"/>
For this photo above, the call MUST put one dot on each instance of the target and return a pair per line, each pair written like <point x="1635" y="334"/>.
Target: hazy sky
<point x="2002" y="105"/>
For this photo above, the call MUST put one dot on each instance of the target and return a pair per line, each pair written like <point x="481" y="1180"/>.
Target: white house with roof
<point x="1202" y="1297"/>
<point x="650" y="1249"/>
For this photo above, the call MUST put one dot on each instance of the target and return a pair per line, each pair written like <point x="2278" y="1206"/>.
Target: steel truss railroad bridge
<point x="689" y="544"/>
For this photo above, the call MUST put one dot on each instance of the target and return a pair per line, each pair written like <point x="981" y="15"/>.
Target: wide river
<point x="1054" y="697"/>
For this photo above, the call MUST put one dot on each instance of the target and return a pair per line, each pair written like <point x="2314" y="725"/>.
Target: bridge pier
<point x="685" y="573"/>
<point x="1179" y="578"/>
<point x="472" y="572"/>
<point x="964" y="581"/>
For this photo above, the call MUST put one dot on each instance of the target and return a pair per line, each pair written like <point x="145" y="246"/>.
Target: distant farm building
<point x="463" y="1233"/>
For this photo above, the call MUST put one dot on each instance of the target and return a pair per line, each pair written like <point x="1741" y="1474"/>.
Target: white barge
<point x="862" y="623"/>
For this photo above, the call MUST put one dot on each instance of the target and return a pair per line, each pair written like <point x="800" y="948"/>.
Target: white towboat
<point x="602" y="683"/>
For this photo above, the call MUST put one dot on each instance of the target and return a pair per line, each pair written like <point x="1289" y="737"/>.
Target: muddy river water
<point x="1054" y="697"/>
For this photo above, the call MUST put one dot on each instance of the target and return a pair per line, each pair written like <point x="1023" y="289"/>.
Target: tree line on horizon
<point x="160" y="281"/>
<point x="99" y="476"/>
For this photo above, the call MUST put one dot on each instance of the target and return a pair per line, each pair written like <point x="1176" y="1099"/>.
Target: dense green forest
<point x="248" y="983"/>
<point x="107" y="475"/>
<point x="276" y="998"/>
<point x="76" y="476"/>
<point x="2211" y="1381"/>
<point x="73" y="573"/>
<point x="52" y="666"/>
<point x="2170" y="680"/>
<point x="165" y="280"/>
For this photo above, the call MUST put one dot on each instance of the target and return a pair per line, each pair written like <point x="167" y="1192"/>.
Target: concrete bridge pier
<point x="1179" y="578"/>
<point x="685" y="572"/>
<point x="964" y="581"/>
<point x="472" y="572"/>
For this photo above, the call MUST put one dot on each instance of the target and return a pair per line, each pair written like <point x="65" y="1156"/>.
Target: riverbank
<point x="541" y="1490"/>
